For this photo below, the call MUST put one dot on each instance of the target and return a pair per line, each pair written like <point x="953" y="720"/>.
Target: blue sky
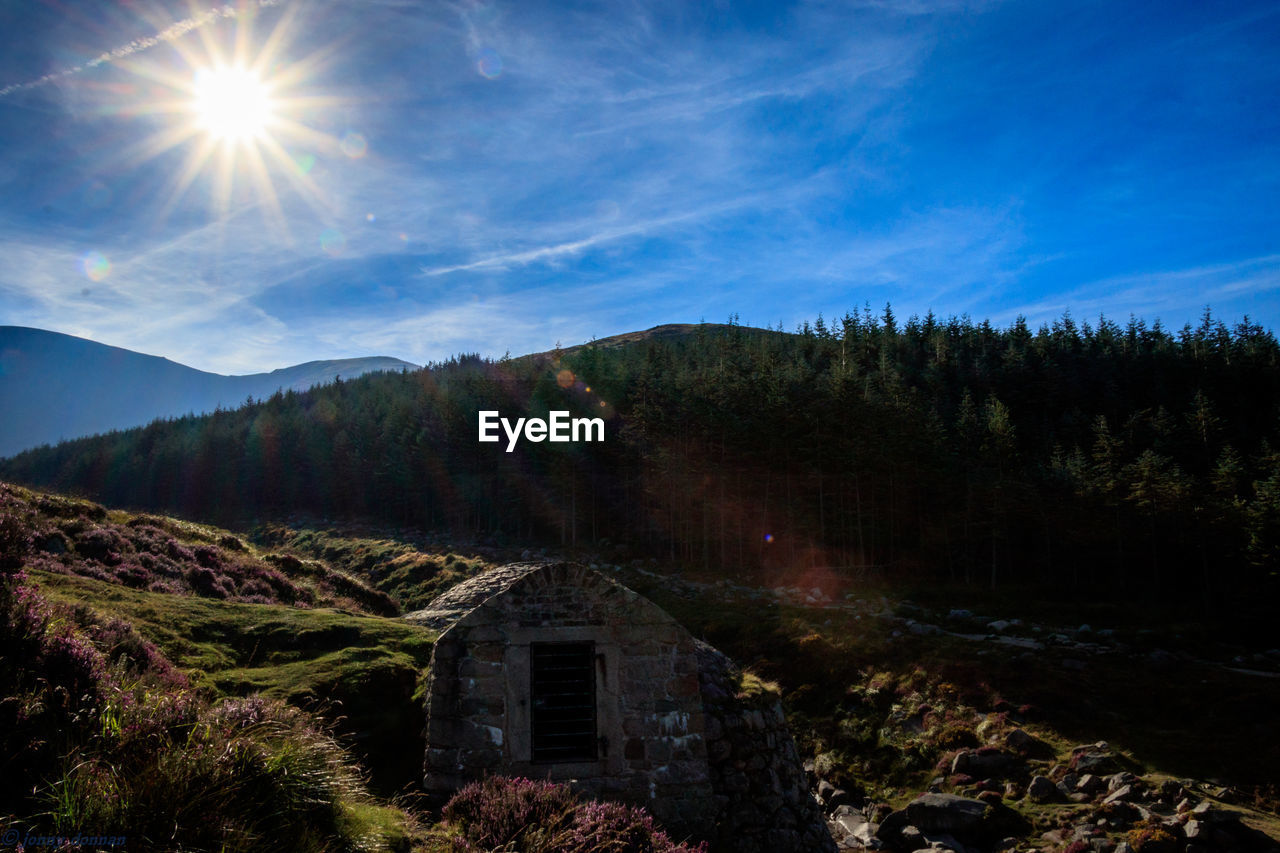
<point x="494" y="176"/>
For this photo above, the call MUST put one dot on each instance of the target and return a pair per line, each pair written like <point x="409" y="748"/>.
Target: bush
<point x="545" y="817"/>
<point x="15" y="534"/>
<point x="500" y="811"/>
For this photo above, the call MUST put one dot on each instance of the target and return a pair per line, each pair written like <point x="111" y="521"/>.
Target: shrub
<point x="1151" y="837"/>
<point x="610" y="826"/>
<point x="500" y="813"/>
<point x="15" y="534"/>
<point x="499" y="810"/>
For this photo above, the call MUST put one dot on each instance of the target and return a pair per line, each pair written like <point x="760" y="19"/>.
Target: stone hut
<point x="552" y="670"/>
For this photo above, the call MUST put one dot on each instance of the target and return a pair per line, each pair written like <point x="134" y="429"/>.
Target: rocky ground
<point x="1021" y="803"/>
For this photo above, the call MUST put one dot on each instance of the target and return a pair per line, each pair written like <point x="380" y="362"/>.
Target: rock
<point x="1096" y="759"/>
<point x="945" y="813"/>
<point x="858" y="829"/>
<point x="912" y="838"/>
<point x="1119" y="780"/>
<point x="1090" y="784"/>
<point x="934" y="815"/>
<point x="944" y="842"/>
<point x="983" y="763"/>
<point x="1042" y="790"/>
<point x="1206" y="812"/>
<point x="1119" y="795"/>
<point x="1027" y="745"/>
<point x="1193" y="830"/>
<point x="999" y="626"/>
<point x="825" y="790"/>
<point x="957" y="613"/>
<point x="839" y="798"/>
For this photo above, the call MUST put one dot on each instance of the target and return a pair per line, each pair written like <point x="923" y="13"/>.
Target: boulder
<point x="1027" y="745"/>
<point x="984" y="763"/>
<point x="858" y="829"/>
<point x="1120" y="795"/>
<point x="1090" y="784"/>
<point x="1094" y="758"/>
<point x="1042" y="790"/>
<point x="946" y="813"/>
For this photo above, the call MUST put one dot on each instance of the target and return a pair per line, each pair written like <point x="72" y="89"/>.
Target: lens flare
<point x="489" y="63"/>
<point x="564" y="378"/>
<point x="333" y="242"/>
<point x="96" y="266"/>
<point x="354" y="145"/>
<point x="303" y="163"/>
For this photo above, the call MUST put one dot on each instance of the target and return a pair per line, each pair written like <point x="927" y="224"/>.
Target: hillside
<point x="1155" y="726"/>
<point x="55" y="386"/>
<point x="1109" y="463"/>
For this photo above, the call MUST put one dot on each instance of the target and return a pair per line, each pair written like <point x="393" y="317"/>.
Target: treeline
<point x="1102" y="457"/>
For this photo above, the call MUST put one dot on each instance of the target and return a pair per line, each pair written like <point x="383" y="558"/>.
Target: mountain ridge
<point x="55" y="386"/>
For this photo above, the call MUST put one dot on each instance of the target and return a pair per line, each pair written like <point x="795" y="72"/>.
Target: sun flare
<point x="239" y="105"/>
<point x="231" y="104"/>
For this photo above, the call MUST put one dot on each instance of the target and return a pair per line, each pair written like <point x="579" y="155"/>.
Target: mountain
<point x="1123" y="463"/>
<point x="55" y="387"/>
<point x="667" y="333"/>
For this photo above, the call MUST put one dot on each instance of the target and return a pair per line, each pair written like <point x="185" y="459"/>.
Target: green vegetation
<point x="1095" y="461"/>
<point x="362" y="672"/>
<point x="412" y="572"/>
<point x="100" y="733"/>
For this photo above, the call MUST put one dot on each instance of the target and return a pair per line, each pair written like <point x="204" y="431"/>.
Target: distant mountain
<point x="55" y="386"/>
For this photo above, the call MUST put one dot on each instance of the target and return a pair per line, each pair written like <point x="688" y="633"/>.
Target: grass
<point x="407" y="568"/>
<point x="365" y="671"/>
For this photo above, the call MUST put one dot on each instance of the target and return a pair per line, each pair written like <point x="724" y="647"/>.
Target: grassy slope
<point x="368" y="670"/>
<point x="1188" y="719"/>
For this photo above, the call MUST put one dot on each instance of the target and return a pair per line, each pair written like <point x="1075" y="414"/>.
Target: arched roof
<point x="457" y="601"/>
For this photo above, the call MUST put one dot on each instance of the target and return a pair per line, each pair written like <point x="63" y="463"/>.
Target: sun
<point x="237" y="108"/>
<point x="232" y="104"/>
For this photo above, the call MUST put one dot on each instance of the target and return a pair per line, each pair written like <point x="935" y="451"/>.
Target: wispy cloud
<point x="1229" y="288"/>
<point x="169" y="33"/>
<point x="533" y="172"/>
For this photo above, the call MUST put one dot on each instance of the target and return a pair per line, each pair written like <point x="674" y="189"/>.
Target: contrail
<point x="170" y="33"/>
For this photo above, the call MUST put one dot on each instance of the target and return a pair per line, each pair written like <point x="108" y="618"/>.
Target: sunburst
<point x="235" y="107"/>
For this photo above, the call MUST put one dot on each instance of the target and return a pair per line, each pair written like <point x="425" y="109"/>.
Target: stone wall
<point x="762" y="798"/>
<point x="651" y="746"/>
<point x="677" y="731"/>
